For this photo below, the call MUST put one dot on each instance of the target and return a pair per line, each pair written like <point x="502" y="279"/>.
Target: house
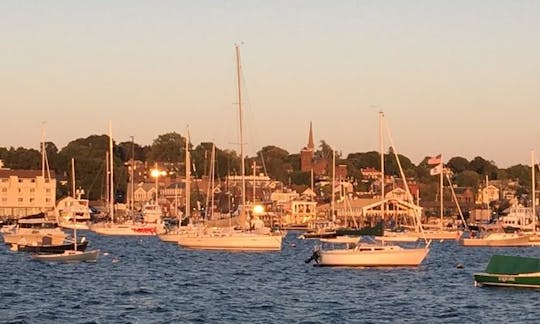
<point x="487" y="194"/>
<point x="26" y="192"/>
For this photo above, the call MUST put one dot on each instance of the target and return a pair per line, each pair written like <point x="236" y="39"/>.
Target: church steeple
<point x="310" y="145"/>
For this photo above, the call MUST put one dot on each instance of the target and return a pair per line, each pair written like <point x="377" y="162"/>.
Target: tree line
<point x="89" y="154"/>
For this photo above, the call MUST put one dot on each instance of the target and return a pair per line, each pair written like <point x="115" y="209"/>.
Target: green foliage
<point x="458" y="164"/>
<point x="166" y="148"/>
<point x="300" y="178"/>
<point x="483" y="167"/>
<point x="21" y="158"/>
<point x="467" y="178"/>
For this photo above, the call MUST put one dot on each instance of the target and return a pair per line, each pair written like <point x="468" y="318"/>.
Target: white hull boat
<point x="497" y="239"/>
<point x="236" y="241"/>
<point x="441" y="235"/>
<point x="77" y="226"/>
<point x="371" y="255"/>
<point x="126" y="229"/>
<point x="69" y="256"/>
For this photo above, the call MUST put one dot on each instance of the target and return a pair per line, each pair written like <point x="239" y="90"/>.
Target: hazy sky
<point x="461" y="78"/>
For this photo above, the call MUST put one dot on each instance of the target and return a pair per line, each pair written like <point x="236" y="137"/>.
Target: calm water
<point x="143" y="280"/>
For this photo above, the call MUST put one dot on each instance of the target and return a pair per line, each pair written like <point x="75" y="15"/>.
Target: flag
<point x="435" y="159"/>
<point x="436" y="170"/>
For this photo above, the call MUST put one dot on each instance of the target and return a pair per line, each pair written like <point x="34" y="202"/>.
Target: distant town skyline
<point x="459" y="78"/>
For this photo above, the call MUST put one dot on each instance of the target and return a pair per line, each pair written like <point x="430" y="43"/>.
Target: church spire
<point x="310" y="145"/>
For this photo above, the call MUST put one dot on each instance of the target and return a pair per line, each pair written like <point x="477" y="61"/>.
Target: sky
<point x="461" y="78"/>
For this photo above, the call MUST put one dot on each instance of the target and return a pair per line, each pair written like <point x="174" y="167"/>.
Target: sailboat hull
<point x="233" y="242"/>
<point x="374" y="256"/>
<point x="127" y="230"/>
<point x="68" y="256"/>
<point x="497" y="239"/>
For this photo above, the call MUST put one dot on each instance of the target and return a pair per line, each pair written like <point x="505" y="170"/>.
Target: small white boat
<point x="69" y="256"/>
<point x="370" y="255"/>
<point x="127" y="229"/>
<point x="398" y="237"/>
<point x="231" y="240"/>
<point x="496" y="239"/>
<point x="341" y="240"/>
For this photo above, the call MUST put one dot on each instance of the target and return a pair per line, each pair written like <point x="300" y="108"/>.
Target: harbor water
<point x="144" y="280"/>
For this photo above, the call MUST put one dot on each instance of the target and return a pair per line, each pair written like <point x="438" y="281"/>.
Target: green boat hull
<point x="504" y="280"/>
<point x="510" y="271"/>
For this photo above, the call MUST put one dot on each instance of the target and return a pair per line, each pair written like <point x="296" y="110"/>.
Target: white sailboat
<point x="70" y="255"/>
<point x="373" y="254"/>
<point x="245" y="239"/>
<point x="129" y="228"/>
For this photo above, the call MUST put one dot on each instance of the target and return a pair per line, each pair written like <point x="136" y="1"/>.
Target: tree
<point x="483" y="167"/>
<point x="467" y="178"/>
<point x="458" y="164"/>
<point x="167" y="148"/>
<point x="275" y="162"/>
<point x="90" y="163"/>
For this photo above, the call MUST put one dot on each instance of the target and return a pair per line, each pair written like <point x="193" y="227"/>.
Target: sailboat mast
<point x="213" y="174"/>
<point x="533" y="189"/>
<point x="74" y="216"/>
<point x="111" y="182"/>
<point x="441" y="193"/>
<point x="43" y="151"/>
<point x="241" y="119"/>
<point x="188" y="176"/>
<point x="131" y="176"/>
<point x="332" y="201"/>
<point x="73" y="177"/>
<point x="381" y="149"/>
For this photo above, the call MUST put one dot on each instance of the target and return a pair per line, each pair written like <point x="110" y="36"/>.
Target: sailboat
<point x="248" y="238"/>
<point x="172" y="235"/>
<point x="70" y="255"/>
<point x="500" y="238"/>
<point x="373" y="254"/>
<point x="36" y="230"/>
<point x="129" y="228"/>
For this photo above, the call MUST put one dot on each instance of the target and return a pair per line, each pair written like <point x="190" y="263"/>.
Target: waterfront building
<point x="26" y="192"/>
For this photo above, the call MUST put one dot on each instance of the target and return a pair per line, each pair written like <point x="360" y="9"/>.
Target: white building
<point x="26" y="192"/>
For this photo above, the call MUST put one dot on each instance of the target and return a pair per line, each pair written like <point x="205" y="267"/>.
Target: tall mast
<point x="111" y="181"/>
<point x="533" y="184"/>
<point x="213" y="174"/>
<point x="381" y="149"/>
<point x="43" y="151"/>
<point x="240" y="113"/>
<point x="332" y="207"/>
<point x="254" y="175"/>
<point x="188" y="177"/>
<point x="73" y="178"/>
<point x="442" y="193"/>
<point x="74" y="216"/>
<point x="132" y="174"/>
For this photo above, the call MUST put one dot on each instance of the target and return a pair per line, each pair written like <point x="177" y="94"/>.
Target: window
<point x="32" y="190"/>
<point x="20" y="199"/>
<point x="4" y="189"/>
<point x="48" y="190"/>
<point x="32" y="200"/>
